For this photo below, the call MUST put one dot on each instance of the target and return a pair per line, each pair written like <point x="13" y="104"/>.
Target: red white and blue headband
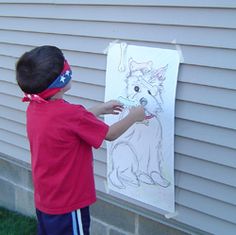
<point x="61" y="81"/>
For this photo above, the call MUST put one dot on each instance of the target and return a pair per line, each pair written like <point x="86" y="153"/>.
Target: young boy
<point x="61" y="137"/>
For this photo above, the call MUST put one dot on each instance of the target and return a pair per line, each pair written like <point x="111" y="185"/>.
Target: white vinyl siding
<point x="205" y="116"/>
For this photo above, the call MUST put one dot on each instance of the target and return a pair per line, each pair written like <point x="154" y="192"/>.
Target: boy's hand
<point x="137" y="113"/>
<point x="112" y="107"/>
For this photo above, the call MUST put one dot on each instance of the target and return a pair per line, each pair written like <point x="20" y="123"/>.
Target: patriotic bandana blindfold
<point x="61" y="81"/>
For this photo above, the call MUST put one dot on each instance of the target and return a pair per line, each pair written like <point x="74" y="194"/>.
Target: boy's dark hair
<point x="38" y="68"/>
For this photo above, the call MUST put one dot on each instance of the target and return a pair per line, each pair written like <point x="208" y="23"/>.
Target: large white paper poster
<point x="140" y="163"/>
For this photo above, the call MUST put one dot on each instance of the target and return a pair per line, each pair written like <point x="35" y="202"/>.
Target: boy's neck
<point x="57" y="96"/>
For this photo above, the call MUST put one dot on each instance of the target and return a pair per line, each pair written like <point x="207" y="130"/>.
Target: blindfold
<point x="60" y="82"/>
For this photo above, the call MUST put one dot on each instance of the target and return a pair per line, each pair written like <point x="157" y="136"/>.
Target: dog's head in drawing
<point x="144" y="85"/>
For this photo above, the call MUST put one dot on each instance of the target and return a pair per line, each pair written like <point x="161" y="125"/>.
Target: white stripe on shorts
<point x="74" y="223"/>
<point x="80" y="222"/>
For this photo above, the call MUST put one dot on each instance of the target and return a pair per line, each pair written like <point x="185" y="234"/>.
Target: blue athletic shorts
<point x="73" y="223"/>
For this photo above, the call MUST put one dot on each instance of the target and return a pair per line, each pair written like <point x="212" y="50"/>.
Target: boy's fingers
<point x="118" y="107"/>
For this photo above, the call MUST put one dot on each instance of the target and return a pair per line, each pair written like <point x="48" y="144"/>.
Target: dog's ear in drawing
<point x="157" y="77"/>
<point x="158" y="74"/>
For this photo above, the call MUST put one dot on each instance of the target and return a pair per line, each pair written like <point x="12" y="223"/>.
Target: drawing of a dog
<point x="141" y="146"/>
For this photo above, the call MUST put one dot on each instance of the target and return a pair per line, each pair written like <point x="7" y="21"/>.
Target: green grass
<point x="12" y="223"/>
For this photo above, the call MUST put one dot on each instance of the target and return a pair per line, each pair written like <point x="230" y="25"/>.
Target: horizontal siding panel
<point x="8" y="75"/>
<point x="192" y="54"/>
<point x="7" y="62"/>
<point x="10" y="88"/>
<point x="152" y="15"/>
<point x="101" y="184"/>
<point x="100" y="169"/>
<point x="87" y="91"/>
<point x="14" y="50"/>
<point x="14" y="139"/>
<point x="12" y="126"/>
<point x="215" y="96"/>
<point x="11" y="52"/>
<point x="206" y="205"/>
<point x="14" y="151"/>
<point x="83" y="59"/>
<point x="188" y="3"/>
<point x="67" y="42"/>
<point x="203" y="113"/>
<point x="205" y="169"/>
<point x="211" y="57"/>
<point x="208" y="223"/>
<point x="100" y="155"/>
<point x="208" y="188"/>
<point x="85" y="75"/>
<point x="75" y="58"/>
<point x="205" y="151"/>
<point x="12" y="114"/>
<point x="83" y="101"/>
<point x="12" y="101"/>
<point x="206" y="133"/>
<point x="221" y="78"/>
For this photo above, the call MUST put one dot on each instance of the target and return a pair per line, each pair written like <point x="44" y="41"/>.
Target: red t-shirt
<point x="61" y="137"/>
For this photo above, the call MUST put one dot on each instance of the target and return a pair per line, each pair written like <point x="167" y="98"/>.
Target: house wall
<point x="205" y="136"/>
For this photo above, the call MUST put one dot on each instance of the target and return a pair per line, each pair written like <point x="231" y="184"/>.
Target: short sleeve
<point x="89" y="128"/>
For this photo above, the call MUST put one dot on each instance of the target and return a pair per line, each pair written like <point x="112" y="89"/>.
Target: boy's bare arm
<point x="110" y="107"/>
<point x="136" y="114"/>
